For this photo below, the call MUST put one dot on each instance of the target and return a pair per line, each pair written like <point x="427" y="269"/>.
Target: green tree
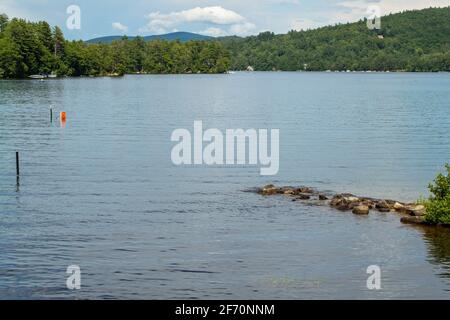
<point x="10" y="59"/>
<point x="438" y="205"/>
<point x="3" y="22"/>
<point x="34" y="57"/>
<point x="59" y="43"/>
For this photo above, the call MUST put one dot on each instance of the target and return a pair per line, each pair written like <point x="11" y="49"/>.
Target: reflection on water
<point x="102" y="192"/>
<point x="438" y="242"/>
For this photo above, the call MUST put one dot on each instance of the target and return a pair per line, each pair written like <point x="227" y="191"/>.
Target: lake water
<point x="101" y="192"/>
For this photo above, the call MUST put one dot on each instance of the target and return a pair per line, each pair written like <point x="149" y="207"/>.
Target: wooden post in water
<point x="51" y="115"/>
<point x="17" y="165"/>
<point x="17" y="172"/>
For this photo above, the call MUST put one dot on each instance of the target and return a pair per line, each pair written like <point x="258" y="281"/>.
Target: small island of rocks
<point x="412" y="212"/>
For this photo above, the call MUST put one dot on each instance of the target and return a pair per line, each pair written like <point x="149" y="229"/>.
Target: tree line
<point x="409" y="41"/>
<point x="28" y="48"/>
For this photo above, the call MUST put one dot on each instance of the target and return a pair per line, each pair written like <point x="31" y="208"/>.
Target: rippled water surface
<point x="102" y="193"/>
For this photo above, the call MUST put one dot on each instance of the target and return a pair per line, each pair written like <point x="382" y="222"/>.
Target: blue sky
<point x="216" y="18"/>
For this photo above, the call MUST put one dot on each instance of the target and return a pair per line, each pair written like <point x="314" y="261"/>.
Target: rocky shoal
<point x="413" y="212"/>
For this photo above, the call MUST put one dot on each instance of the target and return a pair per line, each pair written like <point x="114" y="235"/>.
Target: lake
<point x="101" y="192"/>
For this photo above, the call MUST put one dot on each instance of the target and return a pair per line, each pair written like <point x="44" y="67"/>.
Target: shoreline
<point x="230" y="72"/>
<point x="411" y="213"/>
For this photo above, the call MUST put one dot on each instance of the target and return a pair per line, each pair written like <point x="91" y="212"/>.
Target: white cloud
<point x="214" y="32"/>
<point x="216" y="15"/>
<point x="120" y="27"/>
<point x="242" y="29"/>
<point x="356" y="9"/>
<point x="239" y="29"/>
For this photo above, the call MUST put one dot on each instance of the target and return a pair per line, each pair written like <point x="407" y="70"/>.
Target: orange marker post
<point x="63" y="116"/>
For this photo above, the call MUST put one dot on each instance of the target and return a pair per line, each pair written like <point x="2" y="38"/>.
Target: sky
<point x="208" y="17"/>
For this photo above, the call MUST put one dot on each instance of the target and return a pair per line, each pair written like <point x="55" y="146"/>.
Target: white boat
<point x="43" y="76"/>
<point x="37" y="76"/>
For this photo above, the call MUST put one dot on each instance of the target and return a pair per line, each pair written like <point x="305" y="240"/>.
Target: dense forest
<point x="28" y="48"/>
<point x="409" y="41"/>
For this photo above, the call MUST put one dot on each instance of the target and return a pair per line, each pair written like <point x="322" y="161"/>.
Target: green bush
<point x="438" y="205"/>
<point x="438" y="211"/>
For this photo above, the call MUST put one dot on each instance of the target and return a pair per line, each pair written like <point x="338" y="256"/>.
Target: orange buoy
<point x="62" y="116"/>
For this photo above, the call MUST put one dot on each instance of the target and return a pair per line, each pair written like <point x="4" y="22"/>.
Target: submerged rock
<point x="351" y="199"/>
<point x="413" y="220"/>
<point x="323" y="197"/>
<point x="368" y="203"/>
<point x="269" y="190"/>
<point x="361" y="209"/>
<point x="383" y="206"/>
<point x="339" y="203"/>
<point x="305" y="190"/>
<point x="335" y="202"/>
<point x="286" y="190"/>
<point x="343" y="207"/>
<point x="345" y="202"/>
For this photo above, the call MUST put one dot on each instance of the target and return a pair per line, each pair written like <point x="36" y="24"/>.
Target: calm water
<point x="102" y="192"/>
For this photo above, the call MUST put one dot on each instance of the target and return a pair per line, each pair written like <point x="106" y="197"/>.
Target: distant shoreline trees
<point x="410" y="41"/>
<point x="28" y="48"/>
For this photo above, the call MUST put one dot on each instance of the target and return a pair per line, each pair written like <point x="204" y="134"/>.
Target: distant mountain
<point x="181" y="36"/>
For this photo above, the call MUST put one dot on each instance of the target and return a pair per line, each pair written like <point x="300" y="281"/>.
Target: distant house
<point x="250" y="68"/>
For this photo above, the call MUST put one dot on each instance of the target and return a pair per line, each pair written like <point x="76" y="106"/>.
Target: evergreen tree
<point x="3" y="22"/>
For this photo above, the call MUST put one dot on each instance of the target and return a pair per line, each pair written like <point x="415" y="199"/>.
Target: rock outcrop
<point x="413" y="213"/>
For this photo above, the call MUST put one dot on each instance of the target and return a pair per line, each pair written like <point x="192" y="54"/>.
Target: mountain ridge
<point x="172" y="36"/>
